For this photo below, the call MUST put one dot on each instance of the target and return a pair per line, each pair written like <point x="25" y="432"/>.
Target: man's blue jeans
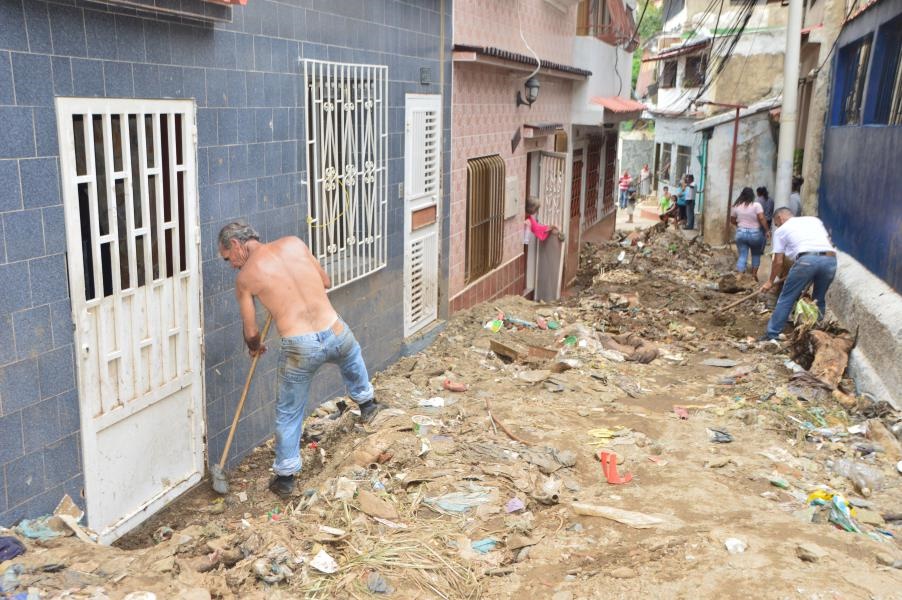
<point x="624" y="198"/>
<point x="749" y="240"/>
<point x="690" y="214"/>
<point x="300" y="358"/>
<point x="810" y="268"/>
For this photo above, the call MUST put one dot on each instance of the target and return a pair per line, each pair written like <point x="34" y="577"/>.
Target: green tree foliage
<point x="651" y="24"/>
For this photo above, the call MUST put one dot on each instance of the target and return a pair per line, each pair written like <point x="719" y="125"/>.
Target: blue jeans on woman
<point x="810" y="268"/>
<point x="624" y="198"/>
<point x="300" y="358"/>
<point x="749" y="240"/>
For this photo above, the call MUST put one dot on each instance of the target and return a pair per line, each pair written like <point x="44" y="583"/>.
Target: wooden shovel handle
<point x="738" y="302"/>
<point x="247" y="386"/>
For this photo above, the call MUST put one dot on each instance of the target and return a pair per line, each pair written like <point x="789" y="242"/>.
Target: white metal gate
<point x="552" y="192"/>
<point x="422" y="204"/>
<point x="347" y="146"/>
<point x="129" y="194"/>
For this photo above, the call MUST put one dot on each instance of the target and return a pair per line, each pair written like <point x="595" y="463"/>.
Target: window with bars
<point x="485" y="215"/>
<point x="594" y="18"/>
<point x="668" y="74"/>
<point x="130" y="178"/>
<point x="694" y="73"/>
<point x="851" y="74"/>
<point x="884" y="105"/>
<point x="346" y="136"/>
<point x="683" y="159"/>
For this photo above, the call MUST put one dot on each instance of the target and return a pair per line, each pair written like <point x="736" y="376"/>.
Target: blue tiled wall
<point x="243" y="75"/>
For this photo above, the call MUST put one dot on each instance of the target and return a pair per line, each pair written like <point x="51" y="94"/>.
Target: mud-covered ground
<point x="478" y="507"/>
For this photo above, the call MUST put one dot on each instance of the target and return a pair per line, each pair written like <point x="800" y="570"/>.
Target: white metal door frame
<point x="422" y="191"/>
<point x="138" y="318"/>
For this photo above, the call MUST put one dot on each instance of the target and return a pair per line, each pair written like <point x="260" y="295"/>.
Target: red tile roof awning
<point x="618" y="105"/>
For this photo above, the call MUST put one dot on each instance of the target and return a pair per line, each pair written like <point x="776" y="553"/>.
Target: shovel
<point x="220" y="483"/>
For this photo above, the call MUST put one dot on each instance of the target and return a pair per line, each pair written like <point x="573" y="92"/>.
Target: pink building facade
<point x="504" y="152"/>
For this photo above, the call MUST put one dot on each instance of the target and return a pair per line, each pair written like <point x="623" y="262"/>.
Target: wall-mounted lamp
<point x="532" y="92"/>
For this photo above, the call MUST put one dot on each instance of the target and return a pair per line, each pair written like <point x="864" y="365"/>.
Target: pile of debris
<point x="623" y="440"/>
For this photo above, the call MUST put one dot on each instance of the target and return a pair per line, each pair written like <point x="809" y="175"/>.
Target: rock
<point x="879" y="433"/>
<point x="809" y="552"/>
<point x="718" y="463"/>
<point x="516" y="541"/>
<point x="623" y="573"/>
<point x="565" y="595"/>
<point x="869" y="517"/>
<point x="885" y="559"/>
<point x="376" y="507"/>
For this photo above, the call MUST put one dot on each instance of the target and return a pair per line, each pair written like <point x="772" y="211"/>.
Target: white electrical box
<point x="511" y="196"/>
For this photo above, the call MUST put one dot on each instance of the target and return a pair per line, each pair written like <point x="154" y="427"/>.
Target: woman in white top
<point x="751" y="230"/>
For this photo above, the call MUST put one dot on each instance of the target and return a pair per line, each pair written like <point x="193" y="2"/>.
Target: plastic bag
<point x="864" y="477"/>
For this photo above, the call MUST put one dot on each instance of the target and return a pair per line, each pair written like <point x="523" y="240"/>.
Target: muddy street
<point x="627" y="442"/>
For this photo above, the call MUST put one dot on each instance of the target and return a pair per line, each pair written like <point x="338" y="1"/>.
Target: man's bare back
<point x="289" y="282"/>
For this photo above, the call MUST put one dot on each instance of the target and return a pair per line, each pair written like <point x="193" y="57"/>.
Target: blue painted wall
<point x="860" y="198"/>
<point x="242" y="75"/>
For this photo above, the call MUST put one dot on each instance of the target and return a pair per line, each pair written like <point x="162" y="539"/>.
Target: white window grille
<point x="347" y="179"/>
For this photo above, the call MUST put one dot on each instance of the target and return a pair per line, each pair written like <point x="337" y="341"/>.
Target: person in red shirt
<point x="625" y="181"/>
<point x="531" y="224"/>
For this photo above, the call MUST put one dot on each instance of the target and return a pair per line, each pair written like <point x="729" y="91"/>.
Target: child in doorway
<point x="531" y="225"/>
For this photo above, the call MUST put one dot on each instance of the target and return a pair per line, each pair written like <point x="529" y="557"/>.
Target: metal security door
<point x="422" y="195"/>
<point x="129" y="195"/>
<point x="552" y="196"/>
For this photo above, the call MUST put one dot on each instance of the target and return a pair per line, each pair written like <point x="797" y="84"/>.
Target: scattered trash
<point x="494" y="325"/>
<point x="681" y="412"/>
<point x="840" y="514"/>
<point x="242" y="497"/>
<point x="324" y="563"/>
<point x="390" y="524"/>
<point x="636" y="520"/>
<point x="779" y="482"/>
<point x="436" y="402"/>
<point x="10" y="547"/>
<point x="377" y="584"/>
<point x="735" y="545"/>
<point x="484" y="546"/>
<point x="345" y="489"/>
<point x="10" y="579"/>
<point x="719" y="436"/>
<point x="421" y="425"/>
<point x="138" y="596"/>
<point x="162" y="534"/>
<point x="458" y="502"/>
<point x="864" y="477"/>
<point x="513" y="505"/>
<point x="454" y="386"/>
<point x="609" y="469"/>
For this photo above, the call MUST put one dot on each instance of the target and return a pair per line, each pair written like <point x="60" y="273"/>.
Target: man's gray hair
<point x="237" y="231"/>
<point x="786" y="212"/>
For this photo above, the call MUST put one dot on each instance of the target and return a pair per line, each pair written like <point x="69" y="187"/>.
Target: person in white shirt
<point x="805" y="241"/>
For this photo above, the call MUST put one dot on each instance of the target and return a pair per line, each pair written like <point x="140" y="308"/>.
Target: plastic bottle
<point x="865" y="478"/>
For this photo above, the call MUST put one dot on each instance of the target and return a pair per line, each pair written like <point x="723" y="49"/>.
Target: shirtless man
<point x="292" y="285"/>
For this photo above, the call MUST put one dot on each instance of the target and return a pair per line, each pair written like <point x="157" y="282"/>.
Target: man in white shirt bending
<point x="805" y="241"/>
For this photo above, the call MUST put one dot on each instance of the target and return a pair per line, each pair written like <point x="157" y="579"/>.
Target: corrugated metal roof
<point x="521" y="58"/>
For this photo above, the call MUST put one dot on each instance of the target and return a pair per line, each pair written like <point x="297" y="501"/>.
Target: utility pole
<point x="789" y="111"/>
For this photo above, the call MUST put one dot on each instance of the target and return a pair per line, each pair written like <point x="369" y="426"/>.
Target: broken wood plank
<point x="510" y="350"/>
<point x="831" y="356"/>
